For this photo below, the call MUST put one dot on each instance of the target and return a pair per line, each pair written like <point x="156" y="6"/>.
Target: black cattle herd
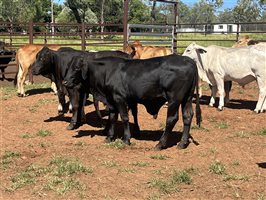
<point x="122" y="83"/>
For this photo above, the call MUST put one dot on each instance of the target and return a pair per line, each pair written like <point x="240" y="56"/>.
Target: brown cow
<point x="138" y="51"/>
<point x="245" y="41"/>
<point x="25" y="57"/>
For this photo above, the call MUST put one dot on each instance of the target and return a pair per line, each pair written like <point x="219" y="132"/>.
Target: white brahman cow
<point x="243" y="65"/>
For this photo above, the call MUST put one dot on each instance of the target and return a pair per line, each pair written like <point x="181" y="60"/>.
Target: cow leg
<point x="113" y="115"/>
<point x="227" y="89"/>
<point x="134" y="110"/>
<point x="75" y="98"/>
<point x="62" y="102"/>
<point x="261" y="104"/>
<point x="213" y="95"/>
<point x="97" y="109"/>
<point x="53" y="87"/>
<point x="3" y="75"/>
<point x="172" y="118"/>
<point x="220" y="87"/>
<point x="122" y="107"/>
<point x="20" y="81"/>
<point x="187" y="113"/>
<point x="200" y="86"/>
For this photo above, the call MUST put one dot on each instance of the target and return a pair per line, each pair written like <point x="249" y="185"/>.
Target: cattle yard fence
<point x="86" y="36"/>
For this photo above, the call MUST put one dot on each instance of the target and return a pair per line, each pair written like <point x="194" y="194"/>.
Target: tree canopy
<point x="140" y="11"/>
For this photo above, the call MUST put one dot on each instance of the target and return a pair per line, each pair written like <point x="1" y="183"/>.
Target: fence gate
<point x="155" y="35"/>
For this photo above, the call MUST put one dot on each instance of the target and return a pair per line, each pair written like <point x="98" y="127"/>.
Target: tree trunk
<point x="153" y="13"/>
<point x="102" y="18"/>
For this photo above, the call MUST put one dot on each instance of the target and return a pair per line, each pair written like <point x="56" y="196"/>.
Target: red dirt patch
<point x="235" y="138"/>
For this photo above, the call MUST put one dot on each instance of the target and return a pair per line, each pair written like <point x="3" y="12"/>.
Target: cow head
<point x="44" y="62"/>
<point x="76" y="73"/>
<point x="196" y="52"/>
<point x="193" y="51"/>
<point x="242" y="42"/>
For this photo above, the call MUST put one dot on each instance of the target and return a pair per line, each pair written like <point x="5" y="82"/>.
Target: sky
<point x="227" y="3"/>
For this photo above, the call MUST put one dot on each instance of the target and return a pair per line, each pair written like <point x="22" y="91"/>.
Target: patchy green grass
<point x="236" y="177"/>
<point x="241" y="134"/>
<point x="110" y="163"/>
<point x="159" y="157"/>
<point x="153" y="197"/>
<point x="8" y="157"/>
<point x="262" y="132"/>
<point x="181" y="177"/>
<point x="140" y="164"/>
<point x="117" y="144"/>
<point x="236" y="163"/>
<point x="80" y="143"/>
<point x="43" y="133"/>
<point x="41" y="102"/>
<point x="26" y="136"/>
<point x="170" y="185"/>
<point x="127" y="170"/>
<point x="196" y="127"/>
<point x="261" y="196"/>
<point x="217" y="167"/>
<point x="66" y="167"/>
<point x="26" y="177"/>
<point x="7" y="92"/>
<point x="221" y="125"/>
<point x="59" y="176"/>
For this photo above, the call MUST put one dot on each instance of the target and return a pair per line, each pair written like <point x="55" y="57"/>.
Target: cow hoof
<point x="219" y="109"/>
<point x="127" y="142"/>
<point x="210" y="105"/>
<point x="182" y="145"/>
<point x="20" y="95"/>
<point x="108" y="140"/>
<point x="73" y="126"/>
<point x="159" y="147"/>
<point x="60" y="113"/>
<point x="256" y="111"/>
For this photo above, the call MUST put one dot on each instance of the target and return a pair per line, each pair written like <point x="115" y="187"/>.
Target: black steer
<point x="54" y="65"/>
<point x="5" y="57"/>
<point x="122" y="83"/>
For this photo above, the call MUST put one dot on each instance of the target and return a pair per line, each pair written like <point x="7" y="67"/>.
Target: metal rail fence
<point x="116" y="36"/>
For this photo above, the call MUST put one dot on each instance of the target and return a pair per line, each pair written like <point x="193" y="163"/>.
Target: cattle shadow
<point x="262" y="165"/>
<point x="38" y="91"/>
<point x="7" y="79"/>
<point x="146" y="135"/>
<point x="241" y="104"/>
<point x="61" y="118"/>
<point x="233" y="104"/>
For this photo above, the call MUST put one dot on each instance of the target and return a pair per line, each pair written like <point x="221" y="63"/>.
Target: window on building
<point x="221" y="26"/>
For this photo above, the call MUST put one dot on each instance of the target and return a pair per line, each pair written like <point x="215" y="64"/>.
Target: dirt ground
<point x="40" y="159"/>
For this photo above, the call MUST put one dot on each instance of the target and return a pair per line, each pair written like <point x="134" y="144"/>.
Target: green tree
<point x="203" y="12"/>
<point x="226" y="16"/>
<point x="138" y="12"/>
<point x="11" y="10"/>
<point x="81" y="10"/>
<point x="248" y="10"/>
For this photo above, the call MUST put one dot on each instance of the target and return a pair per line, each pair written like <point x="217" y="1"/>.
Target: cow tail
<point x="198" y="110"/>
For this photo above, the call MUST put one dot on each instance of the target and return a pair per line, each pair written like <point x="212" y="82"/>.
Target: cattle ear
<point x="202" y="50"/>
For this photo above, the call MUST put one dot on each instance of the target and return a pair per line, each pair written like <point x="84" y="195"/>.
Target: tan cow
<point x="138" y="51"/>
<point x="25" y="57"/>
<point x="245" y="41"/>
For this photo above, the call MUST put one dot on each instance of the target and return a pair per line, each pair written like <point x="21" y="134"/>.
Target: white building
<point x="222" y="28"/>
